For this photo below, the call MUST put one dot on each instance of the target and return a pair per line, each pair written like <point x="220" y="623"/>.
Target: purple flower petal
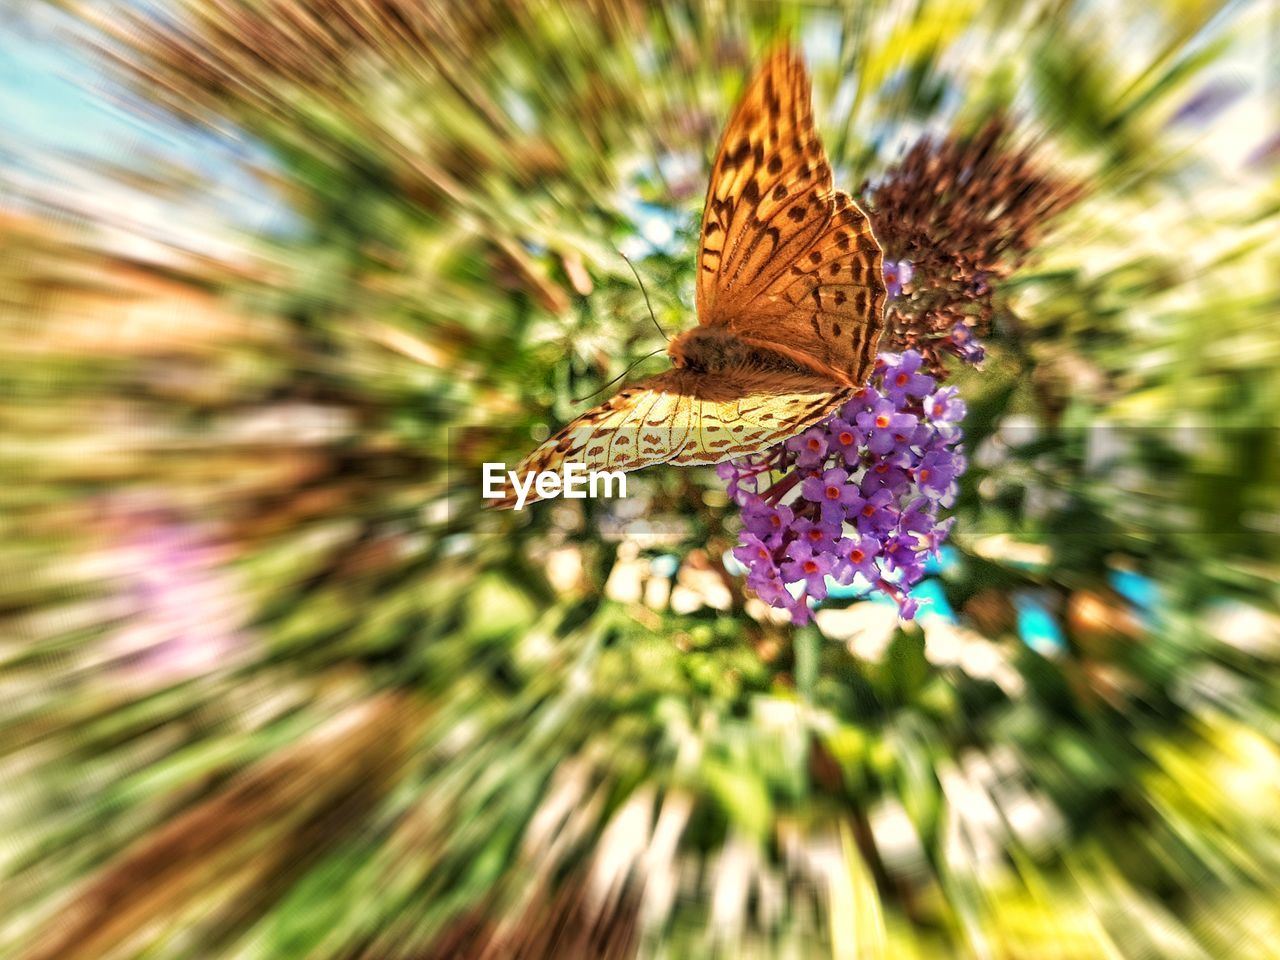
<point x="809" y="447"/>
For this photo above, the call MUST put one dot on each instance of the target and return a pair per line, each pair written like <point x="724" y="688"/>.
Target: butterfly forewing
<point x="770" y="191"/>
<point x="684" y="418"/>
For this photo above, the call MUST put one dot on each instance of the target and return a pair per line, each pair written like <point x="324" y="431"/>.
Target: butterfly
<point x="790" y="300"/>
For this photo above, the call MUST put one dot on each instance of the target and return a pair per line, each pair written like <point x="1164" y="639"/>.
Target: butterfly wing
<point x="769" y="194"/>
<point x="786" y="262"/>
<point x="828" y="307"/>
<point x="685" y="418"/>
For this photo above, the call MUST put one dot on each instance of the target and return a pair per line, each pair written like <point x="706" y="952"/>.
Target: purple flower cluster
<point x="855" y="499"/>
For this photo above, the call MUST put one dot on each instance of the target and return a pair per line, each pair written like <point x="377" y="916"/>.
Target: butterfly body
<point x="711" y="350"/>
<point x="790" y="298"/>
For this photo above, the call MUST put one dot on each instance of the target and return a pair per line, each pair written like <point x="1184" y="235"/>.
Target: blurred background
<point x="277" y="275"/>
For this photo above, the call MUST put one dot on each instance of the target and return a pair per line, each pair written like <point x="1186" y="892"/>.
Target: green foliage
<point x="450" y="723"/>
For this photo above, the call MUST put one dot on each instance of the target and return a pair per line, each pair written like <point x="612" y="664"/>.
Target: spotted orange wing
<point x="686" y="418"/>
<point x="785" y="261"/>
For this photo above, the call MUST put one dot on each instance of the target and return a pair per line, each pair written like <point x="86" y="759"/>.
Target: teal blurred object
<point x="666" y="565"/>
<point x="933" y="600"/>
<point x="1037" y="627"/>
<point x="944" y="559"/>
<point x="1141" y="591"/>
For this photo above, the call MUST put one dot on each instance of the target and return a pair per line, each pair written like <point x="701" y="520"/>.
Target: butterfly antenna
<point x="636" y="274"/>
<point x="619" y="376"/>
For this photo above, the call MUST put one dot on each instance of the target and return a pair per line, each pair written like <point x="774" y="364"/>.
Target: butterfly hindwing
<point x="685" y="418"/>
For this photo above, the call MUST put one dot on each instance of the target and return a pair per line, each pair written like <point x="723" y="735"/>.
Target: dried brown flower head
<point x="964" y="212"/>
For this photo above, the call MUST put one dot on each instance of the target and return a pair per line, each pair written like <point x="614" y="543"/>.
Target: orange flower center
<point x="846" y="438"/>
<point x="868" y="510"/>
<point x="833" y="493"/>
<point x="924" y="475"/>
<point x="902" y="379"/>
<point x="810" y="567"/>
<point x="856" y="555"/>
<point x="882" y="421"/>
<point x="814" y="445"/>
